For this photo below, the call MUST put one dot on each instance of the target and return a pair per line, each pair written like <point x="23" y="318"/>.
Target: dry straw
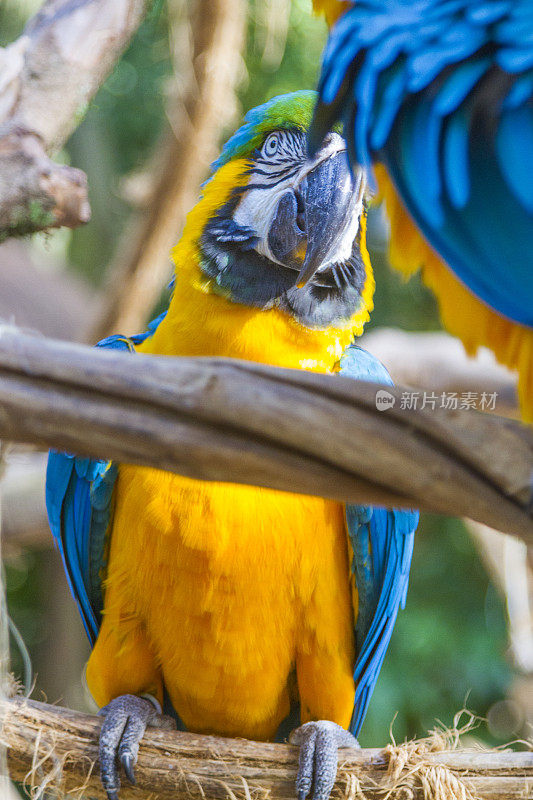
<point x="409" y="769"/>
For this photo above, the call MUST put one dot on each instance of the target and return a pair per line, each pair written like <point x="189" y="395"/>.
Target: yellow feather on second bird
<point x="238" y="598"/>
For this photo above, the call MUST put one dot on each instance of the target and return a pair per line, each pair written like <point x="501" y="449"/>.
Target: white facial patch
<point x="257" y="209"/>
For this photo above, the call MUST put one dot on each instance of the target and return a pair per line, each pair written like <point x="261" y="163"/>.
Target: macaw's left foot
<point x="125" y="721"/>
<point x="319" y="743"/>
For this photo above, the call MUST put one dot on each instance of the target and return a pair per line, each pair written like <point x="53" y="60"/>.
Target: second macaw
<point x="234" y="607"/>
<point x="440" y="93"/>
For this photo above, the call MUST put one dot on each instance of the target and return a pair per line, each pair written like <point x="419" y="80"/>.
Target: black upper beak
<point x="310" y="219"/>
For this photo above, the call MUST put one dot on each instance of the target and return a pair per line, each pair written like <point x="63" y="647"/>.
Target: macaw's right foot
<point x="319" y="745"/>
<point x="125" y="721"/>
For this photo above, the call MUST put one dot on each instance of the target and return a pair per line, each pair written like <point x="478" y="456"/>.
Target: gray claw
<point x="125" y="721"/>
<point x="126" y="759"/>
<point x="319" y="743"/>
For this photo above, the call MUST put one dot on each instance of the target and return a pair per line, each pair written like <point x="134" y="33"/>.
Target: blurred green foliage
<point x="25" y="602"/>
<point x="449" y="645"/>
<point x="12" y="16"/>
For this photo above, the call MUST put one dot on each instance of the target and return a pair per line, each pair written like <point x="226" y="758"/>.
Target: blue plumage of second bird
<point x="441" y="91"/>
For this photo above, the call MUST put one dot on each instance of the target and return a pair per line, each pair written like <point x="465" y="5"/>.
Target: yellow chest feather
<point x="234" y="585"/>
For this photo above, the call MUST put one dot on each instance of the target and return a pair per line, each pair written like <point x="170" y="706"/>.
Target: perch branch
<point x="226" y="420"/>
<point x="141" y="267"/>
<point x="184" y="766"/>
<point x="47" y="78"/>
<point x="434" y="361"/>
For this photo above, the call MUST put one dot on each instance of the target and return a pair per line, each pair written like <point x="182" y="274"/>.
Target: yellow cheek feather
<point x="235" y="597"/>
<point x="462" y="313"/>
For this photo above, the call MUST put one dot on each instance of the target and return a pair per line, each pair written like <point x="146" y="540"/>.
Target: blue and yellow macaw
<point x="233" y="606"/>
<point x="440" y="93"/>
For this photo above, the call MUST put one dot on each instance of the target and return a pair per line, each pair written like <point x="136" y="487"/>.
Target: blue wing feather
<point x="514" y="142"/>
<point x="69" y="515"/>
<point x="442" y="93"/>
<point x="79" y="502"/>
<point x="382" y="544"/>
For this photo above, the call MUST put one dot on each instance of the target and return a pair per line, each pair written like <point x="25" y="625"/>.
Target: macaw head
<point x="288" y="231"/>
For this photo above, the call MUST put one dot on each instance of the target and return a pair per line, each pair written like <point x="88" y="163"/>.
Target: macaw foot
<point x="125" y="721"/>
<point x="319" y="744"/>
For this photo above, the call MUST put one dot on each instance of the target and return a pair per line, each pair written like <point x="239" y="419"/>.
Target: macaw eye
<point x="270" y="147"/>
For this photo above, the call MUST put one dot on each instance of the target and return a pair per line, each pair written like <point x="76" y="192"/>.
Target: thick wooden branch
<point x="433" y="361"/>
<point x="220" y="419"/>
<point x="47" y="78"/>
<point x="59" y="747"/>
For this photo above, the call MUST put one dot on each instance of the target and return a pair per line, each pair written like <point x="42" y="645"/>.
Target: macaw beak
<point x="310" y="219"/>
